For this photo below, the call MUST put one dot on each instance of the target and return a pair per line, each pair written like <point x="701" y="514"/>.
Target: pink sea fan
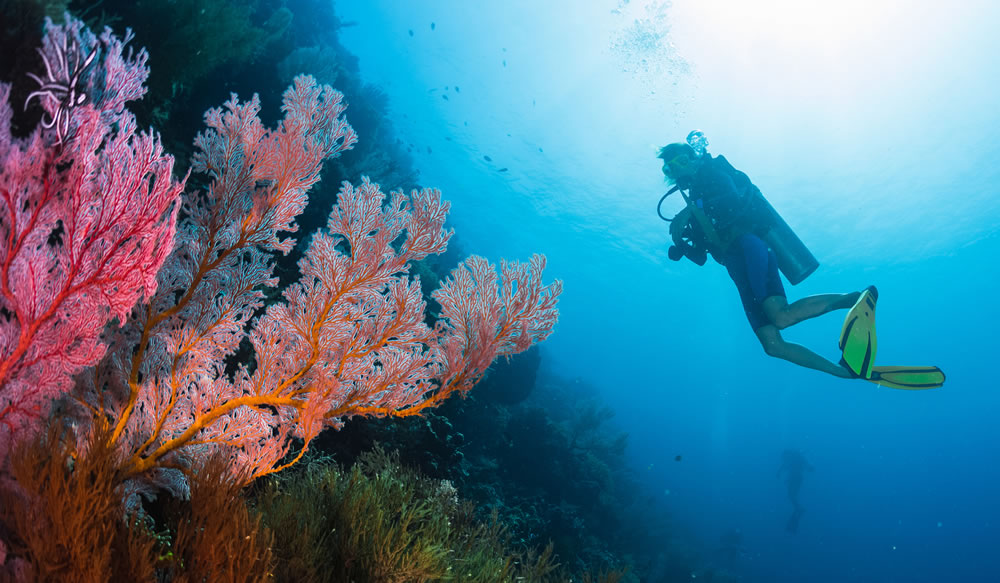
<point x="87" y="216"/>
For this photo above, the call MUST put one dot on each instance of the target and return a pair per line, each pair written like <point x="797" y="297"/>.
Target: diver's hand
<point x="695" y="254"/>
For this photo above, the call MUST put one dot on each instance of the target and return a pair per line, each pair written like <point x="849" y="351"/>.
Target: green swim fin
<point x="908" y="377"/>
<point x="857" y="337"/>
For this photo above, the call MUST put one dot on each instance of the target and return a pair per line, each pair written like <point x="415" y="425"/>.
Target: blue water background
<point x="873" y="127"/>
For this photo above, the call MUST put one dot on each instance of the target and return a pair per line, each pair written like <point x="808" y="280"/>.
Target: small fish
<point x="411" y="32"/>
<point x="448" y="138"/>
<point x="456" y="89"/>
<point x="487" y="158"/>
<point x="429" y="150"/>
<point x="432" y="26"/>
<point x="465" y="123"/>
<point x="677" y="459"/>
<point x="445" y="97"/>
<point x="540" y="150"/>
<point x="505" y="62"/>
<point x="502" y="170"/>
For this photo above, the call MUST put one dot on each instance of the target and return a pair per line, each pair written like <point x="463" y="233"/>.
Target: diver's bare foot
<point x="847" y="301"/>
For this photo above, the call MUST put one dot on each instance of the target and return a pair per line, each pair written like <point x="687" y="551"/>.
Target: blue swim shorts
<point x="753" y="267"/>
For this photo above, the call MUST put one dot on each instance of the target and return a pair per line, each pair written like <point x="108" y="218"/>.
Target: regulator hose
<point x="663" y="198"/>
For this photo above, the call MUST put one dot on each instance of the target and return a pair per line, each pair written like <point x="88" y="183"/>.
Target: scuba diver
<point x="795" y="464"/>
<point x="731" y="547"/>
<point x="726" y="216"/>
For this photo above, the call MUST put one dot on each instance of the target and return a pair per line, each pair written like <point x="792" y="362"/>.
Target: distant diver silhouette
<point x="792" y="525"/>
<point x="795" y="465"/>
<point x="731" y="547"/>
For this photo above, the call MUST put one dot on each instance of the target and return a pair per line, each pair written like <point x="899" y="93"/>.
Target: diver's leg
<point x="774" y="345"/>
<point x="783" y="314"/>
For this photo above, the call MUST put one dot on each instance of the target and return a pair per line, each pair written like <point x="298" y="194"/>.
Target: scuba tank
<point x="794" y="259"/>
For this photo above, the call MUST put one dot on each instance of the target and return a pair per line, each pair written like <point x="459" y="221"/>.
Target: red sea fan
<point x="87" y="215"/>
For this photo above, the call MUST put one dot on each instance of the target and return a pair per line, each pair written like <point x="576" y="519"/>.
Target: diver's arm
<point x="680" y="249"/>
<point x="688" y="239"/>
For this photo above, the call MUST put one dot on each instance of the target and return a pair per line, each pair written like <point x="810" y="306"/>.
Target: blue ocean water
<point x="871" y="126"/>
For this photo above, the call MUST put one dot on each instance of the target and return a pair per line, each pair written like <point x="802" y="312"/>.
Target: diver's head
<point x="698" y="142"/>
<point x="679" y="161"/>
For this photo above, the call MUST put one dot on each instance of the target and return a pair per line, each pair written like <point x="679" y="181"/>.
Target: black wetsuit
<point x="729" y="199"/>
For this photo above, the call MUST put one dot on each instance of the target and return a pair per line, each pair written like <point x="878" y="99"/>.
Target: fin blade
<point x="857" y="342"/>
<point x="908" y="377"/>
